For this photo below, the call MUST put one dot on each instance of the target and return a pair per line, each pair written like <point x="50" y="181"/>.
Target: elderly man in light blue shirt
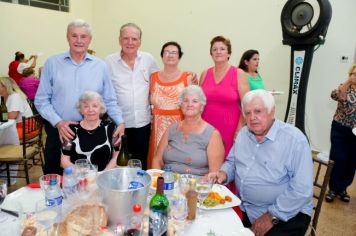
<point x="64" y="78"/>
<point x="272" y="167"/>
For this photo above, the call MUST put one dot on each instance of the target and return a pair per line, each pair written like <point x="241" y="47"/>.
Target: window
<point x="57" y="5"/>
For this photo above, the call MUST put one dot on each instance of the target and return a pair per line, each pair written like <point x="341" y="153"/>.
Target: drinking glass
<point x="134" y="163"/>
<point x="82" y="167"/>
<point x="92" y="174"/>
<point x="3" y="192"/>
<point x="183" y="182"/>
<point x="179" y="207"/>
<point x="204" y="186"/>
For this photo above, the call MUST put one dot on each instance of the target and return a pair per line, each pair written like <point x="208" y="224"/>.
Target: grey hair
<point x="79" y="23"/>
<point x="193" y="89"/>
<point x="92" y="96"/>
<point x="266" y="97"/>
<point x="133" y="25"/>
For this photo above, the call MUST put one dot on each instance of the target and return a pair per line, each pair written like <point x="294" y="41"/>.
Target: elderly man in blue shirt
<point x="64" y="78"/>
<point x="272" y="167"/>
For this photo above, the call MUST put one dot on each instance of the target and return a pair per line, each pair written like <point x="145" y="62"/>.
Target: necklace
<point x="90" y="129"/>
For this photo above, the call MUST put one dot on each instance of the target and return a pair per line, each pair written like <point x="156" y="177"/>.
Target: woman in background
<point x="191" y="146"/>
<point x="343" y="141"/>
<point x="93" y="136"/>
<point x="249" y="63"/>
<point x="29" y="83"/>
<point x="165" y="88"/>
<point x="16" y="102"/>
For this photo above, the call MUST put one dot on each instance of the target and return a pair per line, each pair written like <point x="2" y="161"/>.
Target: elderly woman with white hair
<point x="192" y="145"/>
<point x="93" y="136"/>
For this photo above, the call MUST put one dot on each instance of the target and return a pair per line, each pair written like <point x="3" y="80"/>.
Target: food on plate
<point x="84" y="220"/>
<point x="29" y="231"/>
<point x="214" y="198"/>
<point x="155" y="176"/>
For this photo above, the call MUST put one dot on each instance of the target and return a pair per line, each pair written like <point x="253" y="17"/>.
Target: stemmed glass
<point x="3" y="192"/>
<point x="134" y="163"/>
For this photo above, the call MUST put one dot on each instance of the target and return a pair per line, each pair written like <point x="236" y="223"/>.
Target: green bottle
<point x="3" y="109"/>
<point x="123" y="156"/>
<point x="158" y="222"/>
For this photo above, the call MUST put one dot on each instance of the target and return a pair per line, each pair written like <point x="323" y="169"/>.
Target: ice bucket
<point x="113" y="185"/>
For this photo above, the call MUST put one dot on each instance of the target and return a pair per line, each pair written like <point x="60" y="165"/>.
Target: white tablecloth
<point x="222" y="222"/>
<point x="8" y="133"/>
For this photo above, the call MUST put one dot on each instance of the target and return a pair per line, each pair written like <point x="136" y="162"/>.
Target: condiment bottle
<point x="192" y="199"/>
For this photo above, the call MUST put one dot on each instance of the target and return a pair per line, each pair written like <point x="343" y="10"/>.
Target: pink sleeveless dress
<point x="222" y="108"/>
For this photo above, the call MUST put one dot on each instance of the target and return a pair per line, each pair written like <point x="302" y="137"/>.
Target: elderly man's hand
<point x="65" y="133"/>
<point x="119" y="131"/>
<point x="219" y="177"/>
<point x="262" y="225"/>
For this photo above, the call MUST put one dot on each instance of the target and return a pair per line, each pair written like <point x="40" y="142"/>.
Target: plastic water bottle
<point x="53" y="194"/>
<point x="135" y="226"/>
<point x="137" y="182"/>
<point x="168" y="181"/>
<point x="70" y="182"/>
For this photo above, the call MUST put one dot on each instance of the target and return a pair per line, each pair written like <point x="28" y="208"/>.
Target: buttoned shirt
<point x="274" y="175"/>
<point x="63" y="81"/>
<point x="132" y="87"/>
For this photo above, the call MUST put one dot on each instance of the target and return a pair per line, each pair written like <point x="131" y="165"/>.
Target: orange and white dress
<point x="164" y="97"/>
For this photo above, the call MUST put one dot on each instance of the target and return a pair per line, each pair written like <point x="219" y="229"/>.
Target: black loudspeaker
<point x="304" y="25"/>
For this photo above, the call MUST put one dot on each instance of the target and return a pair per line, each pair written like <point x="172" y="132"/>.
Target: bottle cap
<point x="52" y="181"/>
<point x="141" y="172"/>
<point x="136" y="208"/>
<point x="68" y="170"/>
<point x="167" y="168"/>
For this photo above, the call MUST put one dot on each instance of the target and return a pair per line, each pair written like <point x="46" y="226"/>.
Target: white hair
<point x="79" y="23"/>
<point x="193" y="89"/>
<point x="91" y="96"/>
<point x="266" y="97"/>
<point x="133" y="25"/>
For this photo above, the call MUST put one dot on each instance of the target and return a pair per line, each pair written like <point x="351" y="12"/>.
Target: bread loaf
<point x="84" y="220"/>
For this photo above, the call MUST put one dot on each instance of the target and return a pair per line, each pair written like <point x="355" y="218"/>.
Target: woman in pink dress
<point x="224" y="86"/>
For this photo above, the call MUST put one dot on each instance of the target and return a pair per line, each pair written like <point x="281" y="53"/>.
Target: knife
<point x="13" y="213"/>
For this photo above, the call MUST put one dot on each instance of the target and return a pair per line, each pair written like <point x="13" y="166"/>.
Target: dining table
<point x="214" y="222"/>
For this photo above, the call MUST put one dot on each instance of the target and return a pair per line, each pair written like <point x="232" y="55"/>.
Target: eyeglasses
<point x="167" y="53"/>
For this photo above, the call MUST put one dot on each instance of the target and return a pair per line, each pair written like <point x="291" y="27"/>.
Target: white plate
<point x="354" y="131"/>
<point x="151" y="172"/>
<point x="223" y="191"/>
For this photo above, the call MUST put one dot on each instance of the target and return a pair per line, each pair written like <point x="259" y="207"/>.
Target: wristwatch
<point x="274" y="219"/>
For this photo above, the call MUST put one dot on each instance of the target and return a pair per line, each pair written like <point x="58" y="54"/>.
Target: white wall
<point x="248" y="24"/>
<point x="32" y="30"/>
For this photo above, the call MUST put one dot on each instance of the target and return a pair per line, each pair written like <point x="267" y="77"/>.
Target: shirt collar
<point x="139" y="55"/>
<point x="88" y="57"/>
<point x="271" y="134"/>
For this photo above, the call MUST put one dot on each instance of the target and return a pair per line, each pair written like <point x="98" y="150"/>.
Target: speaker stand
<point x="301" y="58"/>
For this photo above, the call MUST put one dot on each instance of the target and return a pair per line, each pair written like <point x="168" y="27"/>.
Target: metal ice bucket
<point x="114" y="184"/>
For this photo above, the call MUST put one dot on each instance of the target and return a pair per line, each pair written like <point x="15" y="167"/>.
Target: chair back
<point x="31" y="132"/>
<point x="322" y="171"/>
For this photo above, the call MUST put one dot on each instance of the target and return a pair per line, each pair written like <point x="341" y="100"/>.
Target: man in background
<point x="130" y="71"/>
<point x="64" y="78"/>
<point x="20" y="63"/>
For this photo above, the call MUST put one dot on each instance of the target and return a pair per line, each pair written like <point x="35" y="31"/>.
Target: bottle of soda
<point x="135" y="225"/>
<point x="137" y="182"/>
<point x="158" y="220"/>
<point x="53" y="193"/>
<point x="70" y="182"/>
<point x="123" y="156"/>
<point x="3" y="111"/>
<point x="168" y="181"/>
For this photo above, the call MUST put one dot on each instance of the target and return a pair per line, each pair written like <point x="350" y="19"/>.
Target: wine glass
<point x="3" y="192"/>
<point x="134" y="163"/>
<point x="183" y="182"/>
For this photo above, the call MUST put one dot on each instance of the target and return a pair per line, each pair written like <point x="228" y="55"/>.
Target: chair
<point x="30" y="147"/>
<point x="321" y="179"/>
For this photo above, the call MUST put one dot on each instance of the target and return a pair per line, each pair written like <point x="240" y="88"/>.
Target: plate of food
<point x="220" y="197"/>
<point x="154" y="173"/>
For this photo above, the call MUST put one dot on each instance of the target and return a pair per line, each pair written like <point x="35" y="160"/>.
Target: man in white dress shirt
<point x="130" y="71"/>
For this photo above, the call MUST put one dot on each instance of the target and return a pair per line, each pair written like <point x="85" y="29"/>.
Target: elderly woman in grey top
<point x="191" y="146"/>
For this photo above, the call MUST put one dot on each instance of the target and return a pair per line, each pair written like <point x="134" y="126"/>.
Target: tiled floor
<point x="337" y="218"/>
